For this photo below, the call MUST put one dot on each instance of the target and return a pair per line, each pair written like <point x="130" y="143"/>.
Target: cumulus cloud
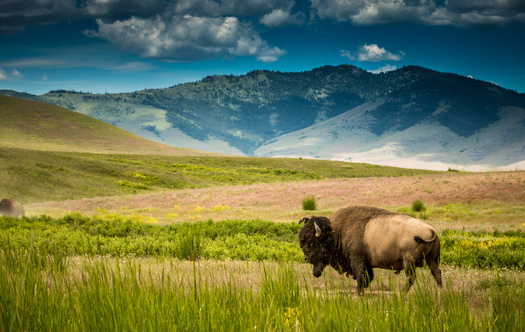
<point x="470" y="13"/>
<point x="170" y="30"/>
<point x="372" y="53"/>
<point x="4" y="75"/>
<point x="280" y="17"/>
<point x="186" y="38"/>
<point x="16" y="73"/>
<point x="383" y="69"/>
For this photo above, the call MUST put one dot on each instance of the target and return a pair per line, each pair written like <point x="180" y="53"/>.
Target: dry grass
<point x="487" y="200"/>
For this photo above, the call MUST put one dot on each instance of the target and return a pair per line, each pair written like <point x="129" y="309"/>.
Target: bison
<point x="11" y="208"/>
<point x="357" y="239"/>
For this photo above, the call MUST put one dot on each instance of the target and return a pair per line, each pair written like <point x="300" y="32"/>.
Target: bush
<point x="418" y="206"/>
<point x="309" y="203"/>
<point x="189" y="244"/>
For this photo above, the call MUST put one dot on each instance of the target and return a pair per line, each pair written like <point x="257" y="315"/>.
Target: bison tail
<point x="418" y="239"/>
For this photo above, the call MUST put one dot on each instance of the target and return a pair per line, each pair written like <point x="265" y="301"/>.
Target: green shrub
<point x="418" y="206"/>
<point x="309" y="203"/>
<point x="47" y="243"/>
<point x="189" y="245"/>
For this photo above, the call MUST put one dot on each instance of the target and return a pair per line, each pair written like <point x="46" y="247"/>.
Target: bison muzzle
<point x="357" y="239"/>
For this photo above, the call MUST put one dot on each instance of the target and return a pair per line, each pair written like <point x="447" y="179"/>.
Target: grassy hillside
<point x="40" y="126"/>
<point x="38" y="176"/>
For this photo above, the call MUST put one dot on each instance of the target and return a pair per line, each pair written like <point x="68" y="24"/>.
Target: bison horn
<point x="305" y="220"/>
<point x="317" y="230"/>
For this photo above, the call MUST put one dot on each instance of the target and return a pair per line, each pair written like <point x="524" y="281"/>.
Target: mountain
<point x="35" y="125"/>
<point x="411" y="117"/>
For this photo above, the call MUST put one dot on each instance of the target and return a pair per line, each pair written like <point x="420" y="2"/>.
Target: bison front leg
<point x="364" y="275"/>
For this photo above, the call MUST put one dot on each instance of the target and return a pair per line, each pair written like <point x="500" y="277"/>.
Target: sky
<point x="110" y="46"/>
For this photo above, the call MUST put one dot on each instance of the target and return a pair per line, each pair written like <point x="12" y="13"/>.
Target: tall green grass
<point x="124" y="295"/>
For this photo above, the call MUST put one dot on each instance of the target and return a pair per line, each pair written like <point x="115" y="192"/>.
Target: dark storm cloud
<point x="15" y="15"/>
<point x="211" y="8"/>
<point x="471" y="13"/>
<point x="485" y="13"/>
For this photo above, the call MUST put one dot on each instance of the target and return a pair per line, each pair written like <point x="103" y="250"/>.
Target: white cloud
<point x="372" y="53"/>
<point x="280" y="17"/>
<point x="186" y="38"/>
<point x="16" y="73"/>
<point x="383" y="69"/>
<point x="128" y="67"/>
<point x="74" y="60"/>
<point x="5" y="75"/>
<point x="347" y="54"/>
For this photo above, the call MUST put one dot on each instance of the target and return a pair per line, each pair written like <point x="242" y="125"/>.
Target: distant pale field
<point x="453" y="200"/>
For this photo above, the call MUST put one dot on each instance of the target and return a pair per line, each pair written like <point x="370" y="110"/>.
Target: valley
<point x="412" y="117"/>
<point x="115" y="222"/>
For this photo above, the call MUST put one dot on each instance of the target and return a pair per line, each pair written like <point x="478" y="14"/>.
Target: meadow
<point x="85" y="274"/>
<point x="32" y="176"/>
<point x="149" y="243"/>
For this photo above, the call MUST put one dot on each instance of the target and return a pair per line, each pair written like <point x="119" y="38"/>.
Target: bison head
<point x="316" y="242"/>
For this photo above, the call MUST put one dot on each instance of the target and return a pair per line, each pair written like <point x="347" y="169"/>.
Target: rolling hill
<point x="35" y="125"/>
<point x="411" y="117"/>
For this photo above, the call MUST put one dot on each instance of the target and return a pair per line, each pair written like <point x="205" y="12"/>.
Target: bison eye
<point x="305" y="259"/>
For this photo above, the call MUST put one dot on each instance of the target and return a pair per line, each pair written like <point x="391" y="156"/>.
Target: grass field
<point x="48" y="290"/>
<point x="35" y="176"/>
<point x="146" y="262"/>
<point x="155" y="242"/>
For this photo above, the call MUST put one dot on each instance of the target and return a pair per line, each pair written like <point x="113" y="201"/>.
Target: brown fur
<point x="11" y="208"/>
<point x="357" y="239"/>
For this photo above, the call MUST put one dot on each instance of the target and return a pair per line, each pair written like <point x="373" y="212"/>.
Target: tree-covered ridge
<point x="248" y="110"/>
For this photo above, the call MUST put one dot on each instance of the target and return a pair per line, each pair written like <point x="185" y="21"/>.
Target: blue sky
<point x="111" y="46"/>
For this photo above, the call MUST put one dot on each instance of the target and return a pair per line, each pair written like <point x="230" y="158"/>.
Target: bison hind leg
<point x="433" y="264"/>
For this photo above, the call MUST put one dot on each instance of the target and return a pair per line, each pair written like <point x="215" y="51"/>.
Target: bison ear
<point x="317" y="230"/>
<point x="305" y="220"/>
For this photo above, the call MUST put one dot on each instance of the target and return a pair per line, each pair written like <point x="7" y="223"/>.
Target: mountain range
<point x="411" y="117"/>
